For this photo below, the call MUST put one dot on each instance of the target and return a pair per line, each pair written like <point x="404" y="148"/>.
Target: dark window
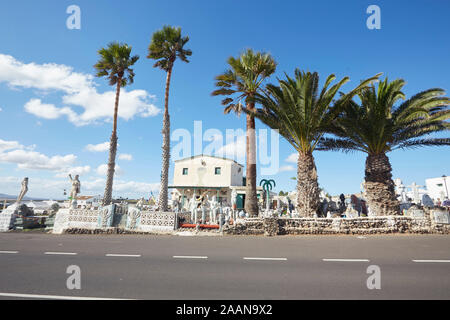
<point x="217" y="171"/>
<point x="185" y="171"/>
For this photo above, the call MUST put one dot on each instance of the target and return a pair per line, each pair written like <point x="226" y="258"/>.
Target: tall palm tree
<point x="377" y="126"/>
<point x="241" y="83"/>
<point x="302" y="115"/>
<point x="115" y="62"/>
<point x="166" y="46"/>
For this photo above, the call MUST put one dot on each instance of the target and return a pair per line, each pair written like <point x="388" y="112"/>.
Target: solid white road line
<point x="265" y="259"/>
<point x="51" y="297"/>
<point x="9" y="252"/>
<point x="190" y="257"/>
<point x="346" y="260"/>
<point x="123" y="255"/>
<point x="432" y="261"/>
<point x="62" y="253"/>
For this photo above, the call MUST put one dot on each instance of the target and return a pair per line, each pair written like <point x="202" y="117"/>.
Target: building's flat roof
<point x="209" y="156"/>
<point x="195" y="187"/>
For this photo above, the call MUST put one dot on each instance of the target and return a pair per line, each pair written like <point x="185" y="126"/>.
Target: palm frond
<point x="115" y="63"/>
<point x="166" y="46"/>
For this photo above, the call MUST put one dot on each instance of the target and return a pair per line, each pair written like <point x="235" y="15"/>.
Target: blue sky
<point x="47" y="124"/>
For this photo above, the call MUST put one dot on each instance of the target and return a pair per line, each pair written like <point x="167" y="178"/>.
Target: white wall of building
<point x="201" y="171"/>
<point x="438" y="188"/>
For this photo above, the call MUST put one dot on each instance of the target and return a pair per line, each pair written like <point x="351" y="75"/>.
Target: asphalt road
<point x="174" y="267"/>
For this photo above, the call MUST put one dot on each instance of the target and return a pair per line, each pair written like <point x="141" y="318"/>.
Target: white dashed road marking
<point x="190" y="257"/>
<point x="123" y="255"/>
<point x="346" y="260"/>
<point x="9" y="252"/>
<point x="51" y="297"/>
<point x="265" y="259"/>
<point x="62" y="253"/>
<point x="433" y="261"/>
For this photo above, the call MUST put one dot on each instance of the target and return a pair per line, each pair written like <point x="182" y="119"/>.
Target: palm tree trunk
<point x="307" y="185"/>
<point x="107" y="198"/>
<point x="251" y="199"/>
<point x="379" y="187"/>
<point x="163" y="193"/>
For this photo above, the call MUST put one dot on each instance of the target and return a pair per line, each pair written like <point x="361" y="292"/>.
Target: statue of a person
<point x="176" y="203"/>
<point x="193" y="208"/>
<point x="214" y="209"/>
<point x="140" y="203"/>
<point x="23" y="191"/>
<point x="76" y="185"/>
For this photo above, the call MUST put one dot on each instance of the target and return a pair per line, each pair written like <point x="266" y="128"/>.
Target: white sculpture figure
<point x="233" y="199"/>
<point x="76" y="185"/>
<point x="193" y="208"/>
<point x="176" y="204"/>
<point x="351" y="212"/>
<point x="415" y="189"/>
<point x="23" y="191"/>
<point x="228" y="213"/>
<point x="201" y="206"/>
<point x="401" y="190"/>
<point x="213" y="209"/>
<point x="140" y="203"/>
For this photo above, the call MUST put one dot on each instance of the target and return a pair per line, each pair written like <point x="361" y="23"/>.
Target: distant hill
<point x="4" y="196"/>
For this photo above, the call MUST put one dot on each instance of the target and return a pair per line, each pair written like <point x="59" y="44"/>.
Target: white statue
<point x="193" y="208"/>
<point x="23" y="191"/>
<point x="233" y="198"/>
<point x="415" y="189"/>
<point x="140" y="203"/>
<point x="214" y="207"/>
<point x="176" y="204"/>
<point x="400" y="189"/>
<point x="76" y="185"/>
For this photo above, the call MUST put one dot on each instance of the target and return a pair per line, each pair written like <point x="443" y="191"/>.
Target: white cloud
<point x="121" y="187"/>
<point x="53" y="188"/>
<point x="35" y="160"/>
<point x="125" y="157"/>
<point x="47" y="111"/>
<point x="9" y="145"/>
<point x="26" y="158"/>
<point x="286" y="168"/>
<point x="138" y="187"/>
<point x="79" y="91"/>
<point x="293" y="158"/>
<point x="81" y="171"/>
<point x="101" y="147"/>
<point x="235" y="150"/>
<point x="103" y="169"/>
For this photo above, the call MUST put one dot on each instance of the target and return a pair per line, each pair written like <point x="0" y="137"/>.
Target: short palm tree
<point x="241" y="83"/>
<point x="115" y="62"/>
<point x="376" y="126"/>
<point x="166" y="46"/>
<point x="301" y="113"/>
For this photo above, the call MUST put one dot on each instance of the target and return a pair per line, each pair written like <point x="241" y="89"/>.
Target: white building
<point x="438" y="188"/>
<point x="39" y="207"/>
<point x="86" y="201"/>
<point x="214" y="176"/>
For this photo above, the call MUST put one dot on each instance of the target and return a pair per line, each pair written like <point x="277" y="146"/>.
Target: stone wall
<point x="76" y="218"/>
<point x="7" y="218"/>
<point x="113" y="219"/>
<point x="157" y="221"/>
<point x="363" y="225"/>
